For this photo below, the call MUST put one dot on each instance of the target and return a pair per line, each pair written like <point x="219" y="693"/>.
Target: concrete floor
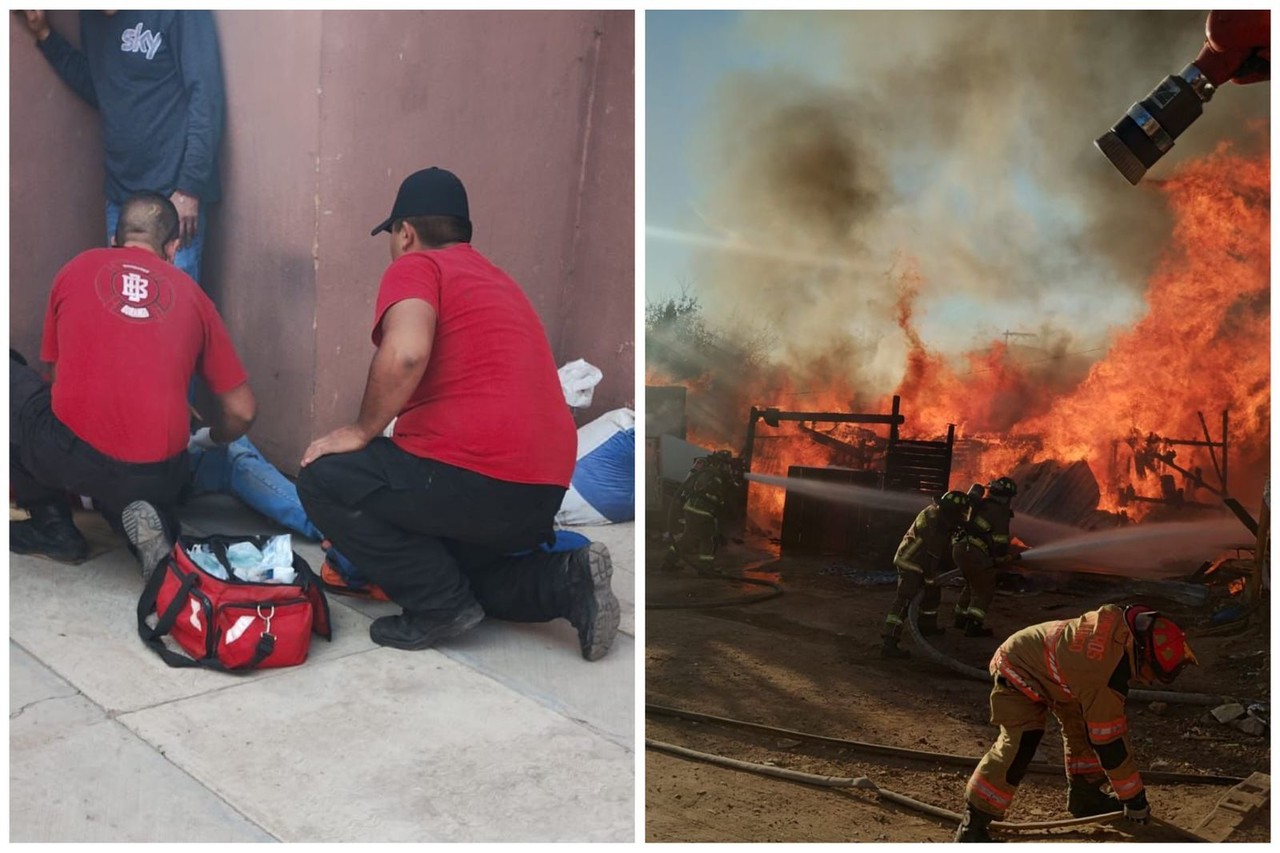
<point x="506" y="734"/>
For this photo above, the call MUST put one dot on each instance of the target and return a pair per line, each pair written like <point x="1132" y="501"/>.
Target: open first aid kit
<point x="233" y="603"/>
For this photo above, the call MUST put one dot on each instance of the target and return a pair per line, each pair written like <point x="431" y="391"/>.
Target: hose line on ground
<point x="1153" y="776"/>
<point x="774" y="590"/>
<point x="913" y="613"/>
<point x="863" y="783"/>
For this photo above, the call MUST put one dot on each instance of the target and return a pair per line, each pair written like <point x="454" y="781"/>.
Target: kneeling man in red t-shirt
<point x="450" y="516"/>
<point x="124" y="333"/>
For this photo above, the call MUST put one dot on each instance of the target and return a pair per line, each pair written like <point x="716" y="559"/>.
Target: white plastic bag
<point x="578" y="380"/>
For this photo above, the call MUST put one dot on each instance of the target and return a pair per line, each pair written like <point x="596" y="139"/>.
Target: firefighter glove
<point x="1136" y="809"/>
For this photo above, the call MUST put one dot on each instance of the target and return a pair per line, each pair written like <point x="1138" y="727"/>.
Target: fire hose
<point x="1153" y="776"/>
<point x="1173" y="697"/>
<point x="773" y="591"/>
<point x="864" y="783"/>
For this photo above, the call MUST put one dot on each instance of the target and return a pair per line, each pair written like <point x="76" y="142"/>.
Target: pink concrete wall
<point x="260" y="259"/>
<point x="55" y="179"/>
<point x="326" y="113"/>
<point x="505" y="100"/>
<point x="598" y="312"/>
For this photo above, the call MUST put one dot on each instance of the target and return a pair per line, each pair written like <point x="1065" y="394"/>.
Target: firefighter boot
<point x="889" y="649"/>
<point x="50" y="533"/>
<point x="973" y="827"/>
<point x="1085" y="799"/>
<point x="928" y="625"/>
<point x="975" y="628"/>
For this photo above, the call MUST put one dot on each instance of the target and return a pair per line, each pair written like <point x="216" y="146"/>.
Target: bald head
<point x="147" y="219"/>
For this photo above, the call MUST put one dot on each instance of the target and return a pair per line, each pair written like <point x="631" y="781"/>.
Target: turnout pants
<point x="47" y="459"/>
<point x="1021" y="721"/>
<point x="697" y="542"/>
<point x="980" y="581"/>
<point x="911" y="582"/>
<point x="438" y="538"/>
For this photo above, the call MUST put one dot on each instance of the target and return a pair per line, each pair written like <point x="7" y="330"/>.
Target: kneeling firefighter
<point x="923" y="554"/>
<point x="1080" y="670"/>
<point x="980" y="549"/>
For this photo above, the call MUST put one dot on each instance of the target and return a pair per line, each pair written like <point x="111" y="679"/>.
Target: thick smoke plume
<point x="941" y="188"/>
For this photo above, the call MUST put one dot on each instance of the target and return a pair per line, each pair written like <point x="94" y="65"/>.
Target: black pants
<point x="437" y="538"/>
<point x="910" y="583"/>
<point x="47" y="460"/>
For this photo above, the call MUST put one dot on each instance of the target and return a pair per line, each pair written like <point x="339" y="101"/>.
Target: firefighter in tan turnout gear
<point x="980" y="549"/>
<point x="923" y="554"/>
<point x="1080" y="670"/>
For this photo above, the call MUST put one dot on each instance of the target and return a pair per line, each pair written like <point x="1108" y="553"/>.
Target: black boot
<point x="977" y="629"/>
<point x="50" y="533"/>
<point x="1086" y="799"/>
<point x="593" y="608"/>
<point x="973" y="828"/>
<point x="961" y="621"/>
<point x="889" y="649"/>
<point x="415" y="632"/>
<point x="929" y="626"/>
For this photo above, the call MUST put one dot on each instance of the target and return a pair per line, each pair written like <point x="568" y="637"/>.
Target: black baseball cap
<point x="428" y="192"/>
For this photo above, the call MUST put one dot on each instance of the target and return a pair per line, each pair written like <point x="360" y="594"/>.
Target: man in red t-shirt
<point x="124" y="334"/>
<point x="481" y="455"/>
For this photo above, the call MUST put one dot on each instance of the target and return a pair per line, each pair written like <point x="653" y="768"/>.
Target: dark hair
<point x="438" y="230"/>
<point x="147" y="217"/>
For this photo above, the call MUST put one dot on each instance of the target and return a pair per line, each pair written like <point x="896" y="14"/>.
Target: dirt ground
<point x="808" y="661"/>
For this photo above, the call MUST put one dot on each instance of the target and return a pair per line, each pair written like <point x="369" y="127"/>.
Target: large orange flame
<point x="1202" y="346"/>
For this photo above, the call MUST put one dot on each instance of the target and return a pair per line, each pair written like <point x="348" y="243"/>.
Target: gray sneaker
<point x="594" y="609"/>
<point x="143" y="526"/>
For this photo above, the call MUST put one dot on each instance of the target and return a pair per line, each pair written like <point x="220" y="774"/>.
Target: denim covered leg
<point x="210" y="472"/>
<point x="188" y="258"/>
<point x="260" y="484"/>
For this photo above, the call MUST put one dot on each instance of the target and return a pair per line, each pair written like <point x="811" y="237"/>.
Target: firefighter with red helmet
<point x="923" y="554"/>
<point x="1080" y="670"/>
<point x="980" y="549"/>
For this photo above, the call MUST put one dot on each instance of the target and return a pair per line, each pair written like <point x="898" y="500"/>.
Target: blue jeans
<point x="188" y="259"/>
<point x="239" y="469"/>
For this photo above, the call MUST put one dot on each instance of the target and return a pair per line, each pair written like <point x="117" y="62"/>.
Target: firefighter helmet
<point x="1158" y="643"/>
<point x="954" y="503"/>
<point x="1002" y="487"/>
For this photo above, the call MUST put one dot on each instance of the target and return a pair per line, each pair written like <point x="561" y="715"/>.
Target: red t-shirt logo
<point x="134" y="292"/>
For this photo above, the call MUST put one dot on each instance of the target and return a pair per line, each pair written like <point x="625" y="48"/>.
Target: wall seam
<point x="567" y="286"/>
<point x="315" y="237"/>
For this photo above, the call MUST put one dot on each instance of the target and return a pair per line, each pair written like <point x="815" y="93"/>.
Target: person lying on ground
<point x="124" y="333"/>
<point x="240" y="469"/>
<point x="450" y="514"/>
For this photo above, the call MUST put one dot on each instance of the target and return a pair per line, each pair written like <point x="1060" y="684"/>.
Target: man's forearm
<point x="201" y="67"/>
<point x="70" y="64"/>
<point x="227" y="430"/>
<point x="393" y="376"/>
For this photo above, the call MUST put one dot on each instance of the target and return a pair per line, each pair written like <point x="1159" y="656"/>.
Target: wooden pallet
<point x="1241" y="801"/>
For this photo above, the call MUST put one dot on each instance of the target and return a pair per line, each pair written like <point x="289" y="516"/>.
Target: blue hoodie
<point x="156" y="78"/>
